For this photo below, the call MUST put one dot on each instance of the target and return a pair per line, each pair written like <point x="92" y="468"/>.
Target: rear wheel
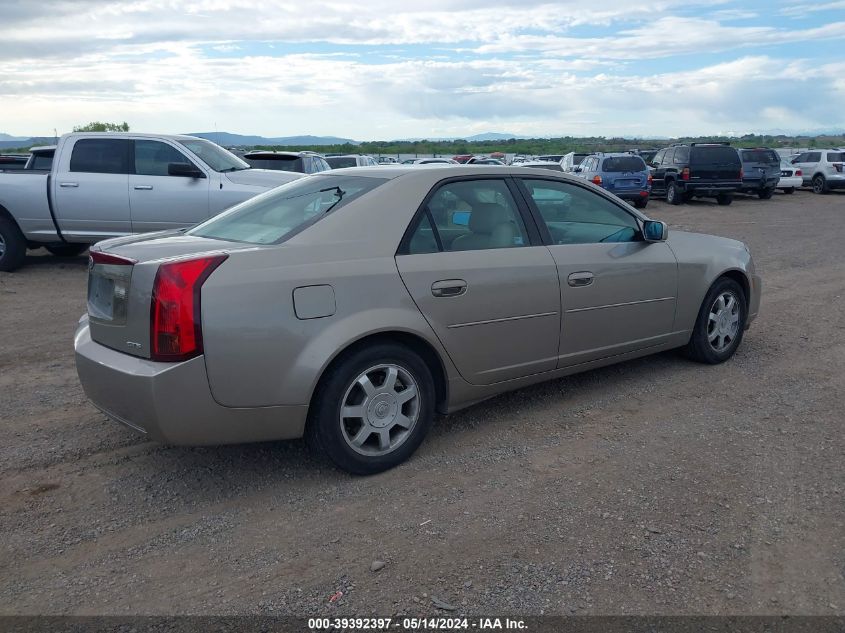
<point x="819" y="184"/>
<point x="789" y="190"/>
<point x="373" y="409"/>
<point x="724" y="199"/>
<point x="765" y="194"/>
<point x="12" y="245"/>
<point x="674" y="195"/>
<point x="67" y="250"/>
<point x="720" y="323"/>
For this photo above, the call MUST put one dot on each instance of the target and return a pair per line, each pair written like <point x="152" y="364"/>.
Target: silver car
<point x="823" y="170"/>
<point x="354" y="305"/>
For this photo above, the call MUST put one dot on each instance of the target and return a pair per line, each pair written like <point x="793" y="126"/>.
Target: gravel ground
<point x="654" y="487"/>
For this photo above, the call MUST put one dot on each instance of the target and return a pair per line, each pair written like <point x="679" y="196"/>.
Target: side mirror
<point x="186" y="170"/>
<point x="655" y="231"/>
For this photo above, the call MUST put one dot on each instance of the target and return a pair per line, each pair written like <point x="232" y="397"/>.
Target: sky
<point x="389" y="69"/>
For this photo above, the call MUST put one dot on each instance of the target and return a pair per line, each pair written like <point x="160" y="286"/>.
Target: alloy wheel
<point x="379" y="410"/>
<point x="723" y="321"/>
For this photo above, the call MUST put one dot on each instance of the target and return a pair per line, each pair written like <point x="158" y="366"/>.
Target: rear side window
<point x="720" y="154"/>
<point x="760" y="156"/>
<point x="681" y="155"/>
<point x="276" y="215"/>
<point x="836" y="157"/>
<point x="101" y="156"/>
<point x="42" y="161"/>
<point x="812" y="157"/>
<point x="623" y="163"/>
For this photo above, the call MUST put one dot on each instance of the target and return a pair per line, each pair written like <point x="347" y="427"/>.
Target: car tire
<point x="674" y="195"/>
<point x="724" y="199"/>
<point x="67" y="250"/>
<point x="819" y="184"/>
<point x="12" y="245"/>
<point x="641" y="203"/>
<point x="720" y="324"/>
<point x="361" y="445"/>
<point x="765" y="194"/>
<point x="788" y="190"/>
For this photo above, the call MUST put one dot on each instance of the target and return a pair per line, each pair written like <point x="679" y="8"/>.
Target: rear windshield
<point x="279" y="163"/>
<point x="623" y="163"/>
<point x="760" y="156"/>
<point x="836" y="157"/>
<point x="337" y="162"/>
<point x="719" y="154"/>
<point x="280" y="213"/>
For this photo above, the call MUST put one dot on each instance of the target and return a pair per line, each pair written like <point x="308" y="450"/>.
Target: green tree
<point x="98" y="126"/>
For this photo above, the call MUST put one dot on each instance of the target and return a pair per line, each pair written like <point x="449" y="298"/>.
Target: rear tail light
<point x="685" y="174"/>
<point x="798" y="172"/>
<point x="175" y="320"/>
<point x="596" y="180"/>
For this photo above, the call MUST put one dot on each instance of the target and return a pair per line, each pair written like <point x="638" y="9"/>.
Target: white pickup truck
<point x="103" y="185"/>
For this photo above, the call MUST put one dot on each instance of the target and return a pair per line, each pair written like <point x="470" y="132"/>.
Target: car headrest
<point x="486" y="216"/>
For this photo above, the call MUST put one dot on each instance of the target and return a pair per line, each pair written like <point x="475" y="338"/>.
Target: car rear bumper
<point x="172" y="402"/>
<point x="756" y="184"/>
<point x="711" y="189"/>
<point x="630" y="194"/>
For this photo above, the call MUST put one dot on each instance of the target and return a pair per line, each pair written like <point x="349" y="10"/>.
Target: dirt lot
<point x="656" y="487"/>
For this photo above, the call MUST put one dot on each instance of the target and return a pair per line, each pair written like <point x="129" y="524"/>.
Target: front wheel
<point x="724" y="199"/>
<point x="674" y="195"/>
<point x="721" y="321"/>
<point x="819" y="184"/>
<point x="66" y="250"/>
<point x="373" y="409"/>
<point x="12" y="245"/>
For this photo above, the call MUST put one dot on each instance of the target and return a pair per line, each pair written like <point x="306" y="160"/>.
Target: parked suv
<point x="624" y="175"/>
<point x="760" y="171"/>
<point x="704" y="170"/>
<point x="571" y="161"/>
<point x="300" y="162"/>
<point x="822" y="169"/>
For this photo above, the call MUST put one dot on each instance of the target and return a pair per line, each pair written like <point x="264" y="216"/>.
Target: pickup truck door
<point x="159" y="201"/>
<point x="89" y="187"/>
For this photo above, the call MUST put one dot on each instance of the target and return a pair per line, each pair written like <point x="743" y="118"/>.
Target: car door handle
<point x="143" y="187"/>
<point x="583" y="278"/>
<point x="449" y="288"/>
<point x="68" y="184"/>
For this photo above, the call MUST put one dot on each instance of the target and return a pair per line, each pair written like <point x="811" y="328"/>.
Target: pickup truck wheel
<point x="67" y="250"/>
<point x="674" y="195"/>
<point x="372" y="409"/>
<point x="765" y="194"/>
<point x="12" y="245"/>
<point x="819" y="184"/>
<point x="720" y="323"/>
<point x="724" y="199"/>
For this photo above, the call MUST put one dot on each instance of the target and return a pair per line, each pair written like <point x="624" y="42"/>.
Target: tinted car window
<point x="576" y="215"/>
<point x="760" y="156"/>
<point x="658" y="158"/>
<point x="42" y="161"/>
<point x="717" y="154"/>
<point x="681" y="156"/>
<point x="623" y="163"/>
<point x="667" y="158"/>
<point x="423" y="239"/>
<point x="812" y="157"/>
<point x="153" y="157"/>
<point x="100" y="156"/>
<point x="475" y="215"/>
<point x="279" y="163"/>
<point x="836" y="157"/>
<point x="338" y="162"/>
<point x="277" y="214"/>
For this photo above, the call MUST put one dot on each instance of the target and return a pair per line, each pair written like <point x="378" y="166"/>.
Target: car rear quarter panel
<point x="701" y="260"/>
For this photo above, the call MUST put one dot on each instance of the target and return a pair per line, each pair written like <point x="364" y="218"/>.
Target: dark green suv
<point x="698" y="170"/>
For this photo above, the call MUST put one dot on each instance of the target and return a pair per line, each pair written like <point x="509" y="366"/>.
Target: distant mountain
<point x="227" y="139"/>
<point x="486" y="136"/>
<point x="9" y="137"/>
<point x="9" y="142"/>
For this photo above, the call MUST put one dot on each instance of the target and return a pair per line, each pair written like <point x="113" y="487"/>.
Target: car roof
<point x="441" y="170"/>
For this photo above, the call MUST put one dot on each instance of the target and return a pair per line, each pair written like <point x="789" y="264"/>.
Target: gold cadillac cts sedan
<point x="352" y="306"/>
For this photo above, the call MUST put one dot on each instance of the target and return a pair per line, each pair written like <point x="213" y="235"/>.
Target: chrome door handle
<point x="144" y="187"/>
<point x="68" y="184"/>
<point x="584" y="278"/>
<point x="449" y="288"/>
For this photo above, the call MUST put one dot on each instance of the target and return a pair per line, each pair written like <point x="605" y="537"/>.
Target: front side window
<point x="576" y="215"/>
<point x="658" y="158"/>
<point x="152" y="158"/>
<point x="100" y="156"/>
<point x="272" y="217"/>
<point x="470" y="215"/>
